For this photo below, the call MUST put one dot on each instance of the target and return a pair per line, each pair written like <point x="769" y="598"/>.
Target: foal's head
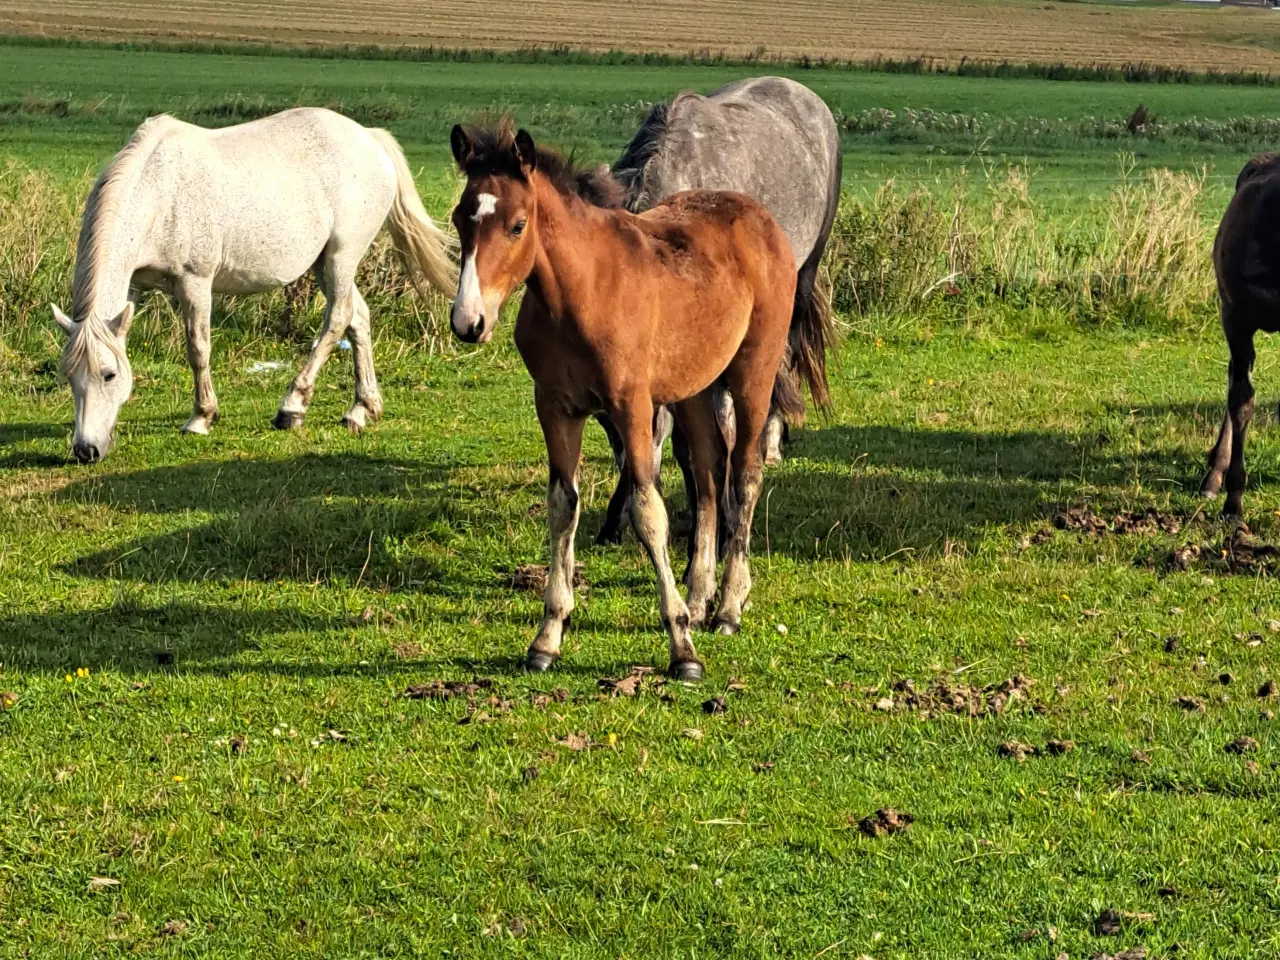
<point x="96" y="365"/>
<point x="496" y="218"/>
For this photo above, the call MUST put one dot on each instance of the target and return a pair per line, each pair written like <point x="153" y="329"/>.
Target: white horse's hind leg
<point x="195" y="301"/>
<point x="338" y="311"/>
<point x="368" y="405"/>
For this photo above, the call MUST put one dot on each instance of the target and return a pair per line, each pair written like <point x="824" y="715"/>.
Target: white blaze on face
<point x="486" y="203"/>
<point x="468" y="307"/>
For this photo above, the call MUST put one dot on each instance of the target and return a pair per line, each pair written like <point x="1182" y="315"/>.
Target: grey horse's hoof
<point x="352" y="426"/>
<point x="686" y="671"/>
<point x="288" y="420"/>
<point x="726" y="628"/>
<point x="536" y="661"/>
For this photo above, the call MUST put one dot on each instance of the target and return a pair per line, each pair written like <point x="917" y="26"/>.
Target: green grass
<point x="254" y="582"/>
<point x="277" y="587"/>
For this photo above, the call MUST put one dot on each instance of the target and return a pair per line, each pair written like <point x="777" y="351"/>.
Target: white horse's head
<point x="94" y="362"/>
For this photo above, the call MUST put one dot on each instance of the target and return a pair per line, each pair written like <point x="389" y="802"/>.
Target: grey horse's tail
<point x="813" y="328"/>
<point x="421" y="242"/>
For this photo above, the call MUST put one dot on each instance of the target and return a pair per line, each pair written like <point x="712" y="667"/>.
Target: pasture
<point x="259" y="692"/>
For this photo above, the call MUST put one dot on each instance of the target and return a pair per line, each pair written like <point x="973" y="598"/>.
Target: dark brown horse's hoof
<point x="609" y="536"/>
<point x="687" y="671"/>
<point x="726" y="628"/>
<point x="537" y="661"/>
<point x="288" y="420"/>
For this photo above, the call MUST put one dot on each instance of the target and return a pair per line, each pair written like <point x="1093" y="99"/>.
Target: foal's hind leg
<point x="564" y="446"/>
<point x="697" y="421"/>
<point x="368" y="405"/>
<point x="751" y="410"/>
<point x="634" y="421"/>
<point x="339" y="308"/>
<point x="195" y="301"/>
<point x="620" y="502"/>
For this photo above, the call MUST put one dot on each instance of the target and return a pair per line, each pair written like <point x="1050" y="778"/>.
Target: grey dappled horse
<point x="776" y="141"/>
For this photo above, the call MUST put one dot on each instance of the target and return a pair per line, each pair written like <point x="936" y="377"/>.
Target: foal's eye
<point x="518" y="228"/>
<point x="109" y="377"/>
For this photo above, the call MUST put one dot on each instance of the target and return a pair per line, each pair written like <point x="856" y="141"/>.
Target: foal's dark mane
<point x="494" y="147"/>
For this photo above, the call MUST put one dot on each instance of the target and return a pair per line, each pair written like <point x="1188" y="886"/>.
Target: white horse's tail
<point x="423" y="244"/>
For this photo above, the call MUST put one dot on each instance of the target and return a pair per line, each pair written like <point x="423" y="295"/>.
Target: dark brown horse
<point x="1246" y="259"/>
<point x="622" y="313"/>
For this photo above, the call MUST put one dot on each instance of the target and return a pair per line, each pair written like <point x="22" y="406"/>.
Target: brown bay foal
<point x="622" y="313"/>
<point x="1246" y="260"/>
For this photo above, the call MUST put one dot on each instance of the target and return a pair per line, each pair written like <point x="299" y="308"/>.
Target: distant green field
<point x="597" y="108"/>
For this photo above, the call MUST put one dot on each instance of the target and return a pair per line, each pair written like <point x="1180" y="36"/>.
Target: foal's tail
<point x="424" y="245"/>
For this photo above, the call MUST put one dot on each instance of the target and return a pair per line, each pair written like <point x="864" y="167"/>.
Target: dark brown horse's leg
<point x="649" y="516"/>
<point x="564" y="444"/>
<point x="697" y="419"/>
<point x="1220" y="455"/>
<point x="751" y="410"/>
<point x="1240" y="410"/>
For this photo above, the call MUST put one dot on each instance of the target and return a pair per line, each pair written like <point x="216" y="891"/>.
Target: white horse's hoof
<point x="196" y="425"/>
<point x="355" y="419"/>
<point x="288" y="420"/>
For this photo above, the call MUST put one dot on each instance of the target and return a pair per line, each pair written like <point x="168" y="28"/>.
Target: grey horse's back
<point x="769" y="137"/>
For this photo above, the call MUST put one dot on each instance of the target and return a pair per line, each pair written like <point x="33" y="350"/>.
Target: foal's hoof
<point x="725" y="627"/>
<point x="537" y="661"/>
<point x="288" y="420"/>
<point x="686" y="671"/>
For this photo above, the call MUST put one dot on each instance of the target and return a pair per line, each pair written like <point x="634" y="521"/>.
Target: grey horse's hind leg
<point x="618" y="510"/>
<point x="339" y="309"/>
<point x="368" y="405"/>
<point x="195" y="302"/>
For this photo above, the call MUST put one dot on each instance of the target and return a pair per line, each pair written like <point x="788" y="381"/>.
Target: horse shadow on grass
<point x="15" y="452"/>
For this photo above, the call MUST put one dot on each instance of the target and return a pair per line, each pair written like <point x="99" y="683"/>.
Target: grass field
<point x="1019" y="30"/>
<point x="217" y="655"/>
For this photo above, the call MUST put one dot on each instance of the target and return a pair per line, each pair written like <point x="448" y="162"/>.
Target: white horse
<point x="238" y="210"/>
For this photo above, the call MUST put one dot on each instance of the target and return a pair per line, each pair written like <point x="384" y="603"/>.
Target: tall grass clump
<point x="972" y="252"/>
<point x="39" y="224"/>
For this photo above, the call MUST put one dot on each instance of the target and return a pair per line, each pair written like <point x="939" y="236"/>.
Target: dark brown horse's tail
<point x="813" y="329"/>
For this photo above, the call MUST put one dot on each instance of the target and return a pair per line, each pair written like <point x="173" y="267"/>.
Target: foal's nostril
<point x="85" y="452"/>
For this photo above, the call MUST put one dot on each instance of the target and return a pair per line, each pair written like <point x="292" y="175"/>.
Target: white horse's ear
<point x="61" y="319"/>
<point x="122" y="323"/>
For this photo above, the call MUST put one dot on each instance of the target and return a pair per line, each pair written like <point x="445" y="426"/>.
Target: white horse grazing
<point x="238" y="210"/>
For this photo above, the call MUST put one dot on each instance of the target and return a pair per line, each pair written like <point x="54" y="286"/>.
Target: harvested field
<point x="1075" y="33"/>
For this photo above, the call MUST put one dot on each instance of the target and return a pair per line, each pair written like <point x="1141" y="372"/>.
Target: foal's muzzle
<point x="470" y="332"/>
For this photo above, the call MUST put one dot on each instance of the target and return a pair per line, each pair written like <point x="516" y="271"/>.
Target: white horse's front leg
<point x="368" y="405"/>
<point x="338" y="311"/>
<point x="195" y="301"/>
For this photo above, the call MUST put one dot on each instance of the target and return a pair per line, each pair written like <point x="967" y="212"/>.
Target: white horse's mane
<point x="102" y="209"/>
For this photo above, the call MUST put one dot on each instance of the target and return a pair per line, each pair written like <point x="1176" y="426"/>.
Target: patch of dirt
<point x="1268" y="691"/>
<point x="715" y="705"/>
<point x="530" y="774"/>
<point x="629" y="685"/>
<point x="884" y="822"/>
<point x="1018" y="751"/>
<point x="1238" y="552"/>
<point x="1108" y="923"/>
<point x="533" y="576"/>
<point x="239" y="744"/>
<point x="1058" y="747"/>
<point x="1140" y="756"/>
<point x="1190" y="704"/>
<point x="7" y="700"/>
<point x="1133" y="953"/>
<point x="574" y="741"/>
<point x="447" y="689"/>
<point x="543" y="700"/>
<point x="407" y="650"/>
<point x="1242" y="745"/>
<point x="1082" y="519"/>
<point x="958" y="698"/>
<point x="174" y="928"/>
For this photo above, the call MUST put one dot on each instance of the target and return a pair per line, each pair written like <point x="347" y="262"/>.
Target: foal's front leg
<point x="195" y="301"/>
<point x="649" y="515"/>
<point x="563" y="435"/>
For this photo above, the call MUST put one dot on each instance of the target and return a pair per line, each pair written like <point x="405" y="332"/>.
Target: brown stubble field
<point x="1018" y="30"/>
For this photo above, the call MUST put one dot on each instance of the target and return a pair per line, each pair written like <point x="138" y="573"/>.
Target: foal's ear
<point x="61" y="319"/>
<point x="122" y="323"/>
<point x="463" y="148"/>
<point x="526" y="152"/>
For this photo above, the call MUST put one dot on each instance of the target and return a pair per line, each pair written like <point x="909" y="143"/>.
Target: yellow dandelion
<point x="67" y="678"/>
<point x="611" y="740"/>
<point x="178" y="779"/>
<point x="82" y="671"/>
